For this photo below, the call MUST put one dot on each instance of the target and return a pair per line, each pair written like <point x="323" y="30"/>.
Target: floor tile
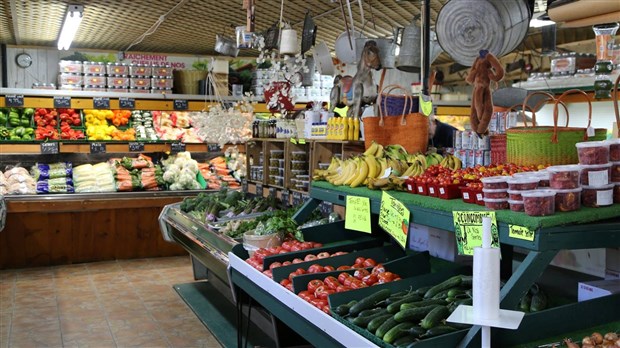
<point x="71" y="271"/>
<point x="30" y="315"/>
<point x="105" y="267"/>
<point x="139" y="264"/>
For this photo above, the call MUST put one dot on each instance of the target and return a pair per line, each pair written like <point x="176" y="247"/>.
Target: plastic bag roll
<point x="485" y="285"/>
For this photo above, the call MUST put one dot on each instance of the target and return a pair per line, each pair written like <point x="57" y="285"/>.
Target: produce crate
<point x="449" y="191"/>
<point x="447" y="340"/>
<point x="433" y="189"/>
<point x="471" y="195"/>
<point x="406" y="267"/>
<point x="421" y="189"/>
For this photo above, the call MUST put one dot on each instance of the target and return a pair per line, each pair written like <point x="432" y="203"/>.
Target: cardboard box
<point x="596" y="289"/>
<point x="588" y="261"/>
<point x="439" y="243"/>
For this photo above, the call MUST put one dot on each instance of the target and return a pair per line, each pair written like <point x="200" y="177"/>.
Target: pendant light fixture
<point x="72" y="21"/>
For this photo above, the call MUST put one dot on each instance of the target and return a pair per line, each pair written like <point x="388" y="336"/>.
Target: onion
<point x="587" y="340"/>
<point x="618" y="343"/>
<point x="611" y="336"/>
<point x="597" y="338"/>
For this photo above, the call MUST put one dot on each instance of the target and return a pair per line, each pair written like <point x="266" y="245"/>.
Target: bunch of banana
<point x="415" y="169"/>
<point x="452" y="162"/>
<point x="396" y="152"/>
<point x="375" y="150"/>
<point x="433" y="159"/>
<point x="322" y="174"/>
<point x="392" y="182"/>
<point x="417" y="158"/>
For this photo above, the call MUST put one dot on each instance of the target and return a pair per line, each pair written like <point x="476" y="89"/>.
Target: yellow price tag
<point x="468" y="230"/>
<point x="394" y="218"/>
<point x="302" y="141"/>
<point x="520" y="232"/>
<point x="293" y="141"/>
<point x="357" y="215"/>
<point x="426" y="106"/>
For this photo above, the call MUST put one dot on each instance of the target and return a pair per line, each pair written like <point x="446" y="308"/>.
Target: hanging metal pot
<point x="410" y="56"/>
<point x="226" y="46"/>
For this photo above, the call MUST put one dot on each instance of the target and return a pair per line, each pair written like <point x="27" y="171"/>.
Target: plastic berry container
<point x="299" y="155"/>
<point x="543" y="178"/>
<point x="568" y="200"/>
<point x="595" y="197"/>
<point x="515" y="205"/>
<point x="274" y="171"/>
<point x="274" y="162"/>
<point x="299" y="165"/>
<point x="615" y="172"/>
<point x="593" y="152"/>
<point x="515" y="195"/>
<point x="614" y="150"/>
<point x="279" y="154"/>
<point x="595" y="174"/>
<point x="495" y="194"/>
<point x="539" y="202"/>
<point x="495" y="182"/>
<point x="564" y="177"/>
<point x="617" y="192"/>
<point x="523" y="183"/>
<point x="496" y="203"/>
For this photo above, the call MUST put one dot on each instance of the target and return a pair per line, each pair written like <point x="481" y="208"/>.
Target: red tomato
<point x="326" y="310"/>
<point x="357" y="265"/>
<point x="370" y="279"/>
<point x="297" y="260"/>
<point x="310" y="257"/>
<point x="342" y="277"/>
<point x="275" y="264"/>
<point x="300" y="271"/>
<point x="331" y="282"/>
<point x="385" y="277"/>
<point x="268" y="273"/>
<point x="357" y="284"/>
<point x="343" y="268"/>
<point x="273" y="250"/>
<point x="314" y="284"/>
<point x="323" y="294"/>
<point x="342" y="288"/>
<point x="348" y="281"/>
<point x="329" y="268"/>
<point x="317" y="245"/>
<point x="289" y="287"/>
<point x="291" y="275"/>
<point x="316" y="268"/>
<point x="284" y="282"/>
<point x="318" y="303"/>
<point x="287" y="245"/>
<point x="286" y="263"/>
<point x="378" y="268"/>
<point x="295" y="248"/>
<point x="305" y="295"/>
<point x="338" y="253"/>
<point x="369" y="263"/>
<point x="361" y="273"/>
<point x="307" y="245"/>
<point x="359" y="260"/>
<point x="323" y="255"/>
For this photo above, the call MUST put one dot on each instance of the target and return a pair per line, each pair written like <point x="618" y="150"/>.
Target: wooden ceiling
<point x="192" y="26"/>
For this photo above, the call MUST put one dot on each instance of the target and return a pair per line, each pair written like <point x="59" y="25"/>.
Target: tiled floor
<point x="105" y="304"/>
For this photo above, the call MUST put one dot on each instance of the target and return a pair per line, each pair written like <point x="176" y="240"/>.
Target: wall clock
<point x="23" y="60"/>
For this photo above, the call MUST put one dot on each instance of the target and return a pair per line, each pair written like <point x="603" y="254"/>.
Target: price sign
<point x="180" y="104"/>
<point x="468" y="230"/>
<point x="520" y="232"/>
<point x="14" y="101"/>
<point x="127" y="103"/>
<point x="49" y="148"/>
<point x="302" y="141"/>
<point x="259" y="189"/>
<point x="62" y="102"/>
<point x="293" y="141"/>
<point x="214" y="148"/>
<point x="136" y="146"/>
<point x="357" y="215"/>
<point x="394" y="218"/>
<point x="285" y="197"/>
<point x="101" y="102"/>
<point x="97" y="147"/>
<point x="296" y="198"/>
<point x="177" y="147"/>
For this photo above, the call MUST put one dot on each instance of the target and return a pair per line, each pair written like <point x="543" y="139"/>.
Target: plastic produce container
<point x="118" y="89"/>
<point x="596" y="174"/>
<point x="539" y="202"/>
<point x="117" y="69"/>
<point x="299" y="156"/>
<point x="515" y="205"/>
<point x="70" y="66"/>
<point x="495" y="182"/>
<point x="614" y="150"/>
<point x="522" y="183"/>
<point x="496" y="204"/>
<point x="515" y="195"/>
<point x="70" y="79"/>
<point x="617" y="192"/>
<point x="568" y="200"/>
<point x="323" y="166"/>
<point x="564" y="177"/>
<point x="95" y="80"/>
<point x="162" y="70"/>
<point x="299" y="165"/>
<point x="162" y="82"/>
<point x="279" y="154"/>
<point x="595" y="197"/>
<point x="274" y="162"/>
<point x="495" y="194"/>
<point x="593" y="152"/>
<point x="140" y="82"/>
<point x="140" y="70"/>
<point x="118" y="81"/>
<point x="302" y="185"/>
<point x="615" y="172"/>
<point x="93" y="68"/>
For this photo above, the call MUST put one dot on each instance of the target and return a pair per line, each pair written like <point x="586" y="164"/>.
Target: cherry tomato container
<point x="496" y="204"/>
<point x="410" y="185"/>
<point x="539" y="202"/>
<point x="433" y="189"/>
<point x="421" y="188"/>
<point x="450" y="191"/>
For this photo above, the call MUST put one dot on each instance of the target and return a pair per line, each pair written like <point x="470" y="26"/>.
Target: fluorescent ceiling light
<point x="70" y="26"/>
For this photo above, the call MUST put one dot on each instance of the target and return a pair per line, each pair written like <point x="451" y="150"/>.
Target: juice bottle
<point x="351" y="128"/>
<point x="345" y="129"/>
<point x="356" y="129"/>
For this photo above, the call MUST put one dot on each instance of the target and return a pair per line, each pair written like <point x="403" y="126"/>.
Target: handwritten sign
<point x="49" y="148"/>
<point x="426" y="105"/>
<point x="293" y="140"/>
<point x="180" y="104"/>
<point x="302" y="141"/>
<point x="520" y="232"/>
<point x="357" y="215"/>
<point x="177" y="147"/>
<point x="14" y="101"/>
<point x="214" y="148"/>
<point x="62" y="102"/>
<point x="468" y="230"/>
<point x="97" y="147"/>
<point x="394" y="218"/>
<point x="101" y="102"/>
<point x="127" y="103"/>
<point x="136" y="146"/>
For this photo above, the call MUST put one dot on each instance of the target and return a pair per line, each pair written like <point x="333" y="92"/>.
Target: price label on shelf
<point x="136" y="146"/>
<point x="62" y="102"/>
<point x="285" y="197"/>
<point x="101" y="102"/>
<point x="259" y="189"/>
<point x="357" y="215"/>
<point x="520" y="232"/>
<point x="327" y="208"/>
<point x="468" y="230"/>
<point x="301" y="141"/>
<point x="394" y="218"/>
<point x="180" y="104"/>
<point x="177" y="147"/>
<point x="294" y="141"/>
<point x="14" y="100"/>
<point x="127" y="103"/>
<point x="97" y="147"/>
<point x="50" y="148"/>
<point x="214" y="148"/>
<point x="244" y="185"/>
<point x="272" y="192"/>
<point x="296" y="198"/>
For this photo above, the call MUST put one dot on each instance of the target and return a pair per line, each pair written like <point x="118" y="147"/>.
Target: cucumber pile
<point x="402" y="319"/>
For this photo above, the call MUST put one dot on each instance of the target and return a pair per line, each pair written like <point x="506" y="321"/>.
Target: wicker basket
<point x="186" y="81"/>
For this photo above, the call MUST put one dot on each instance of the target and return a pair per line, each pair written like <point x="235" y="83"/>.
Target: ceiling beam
<point x="13" y="5"/>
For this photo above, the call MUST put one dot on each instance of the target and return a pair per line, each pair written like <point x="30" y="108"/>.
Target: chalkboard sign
<point x="50" y="148"/>
<point x="101" y="102"/>
<point x="135" y="146"/>
<point x="127" y="103"/>
<point x="97" y="147"/>
<point x="272" y="192"/>
<point x="180" y="104"/>
<point x="296" y="198"/>
<point x="177" y="147"/>
<point x="14" y="101"/>
<point x="214" y="148"/>
<point x="285" y="197"/>
<point x="62" y="102"/>
<point x="259" y="189"/>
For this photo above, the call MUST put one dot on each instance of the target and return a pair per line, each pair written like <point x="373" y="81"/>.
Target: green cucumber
<point x="405" y="341"/>
<point x="397" y="332"/>
<point x="434" y="317"/>
<point x="367" y="312"/>
<point x="455" y="304"/>
<point x="369" y="301"/>
<point x="385" y="327"/>
<point x="362" y="321"/>
<point x="539" y="301"/>
<point x="423" y="303"/>
<point x="343" y="309"/>
<point x="378" y="321"/>
<point x="395" y="306"/>
<point x="442" y="294"/>
<point x="413" y="314"/>
<point x="454" y="292"/>
<point x="421" y="291"/>
<point x="445" y="285"/>
<point x="438" y="330"/>
<point x="525" y="303"/>
<point x="467" y="281"/>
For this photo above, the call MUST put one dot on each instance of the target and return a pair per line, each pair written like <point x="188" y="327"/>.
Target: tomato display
<point x="256" y="260"/>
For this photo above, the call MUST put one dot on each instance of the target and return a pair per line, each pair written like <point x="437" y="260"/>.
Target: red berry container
<point x="479" y="196"/>
<point x="568" y="200"/>
<point x="410" y="185"/>
<point x="468" y="195"/>
<point x="495" y="194"/>
<point x="564" y="177"/>
<point x="421" y="188"/>
<point x="522" y="183"/>
<point x="515" y="195"/>
<point x="617" y="192"/>
<point x="496" y="204"/>
<point x="539" y="202"/>
<point x="614" y="150"/>
<point x="596" y="174"/>
<point x="515" y="205"/>
<point x="593" y="152"/>
<point x="615" y="172"/>
<point x="595" y="197"/>
<point x="495" y="182"/>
